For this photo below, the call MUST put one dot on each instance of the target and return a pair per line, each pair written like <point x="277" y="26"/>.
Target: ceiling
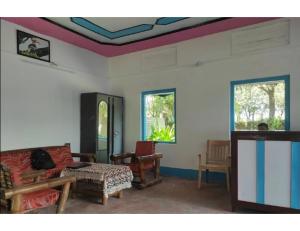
<point x="121" y="31"/>
<point x="118" y="36"/>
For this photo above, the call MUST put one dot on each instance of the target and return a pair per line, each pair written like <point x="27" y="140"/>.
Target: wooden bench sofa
<point x="23" y="189"/>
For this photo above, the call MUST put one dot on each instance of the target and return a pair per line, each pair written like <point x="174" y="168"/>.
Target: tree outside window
<point x="159" y="116"/>
<point x="257" y="101"/>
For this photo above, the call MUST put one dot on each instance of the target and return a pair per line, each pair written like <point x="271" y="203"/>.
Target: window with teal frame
<point x="263" y="100"/>
<point x="158" y="111"/>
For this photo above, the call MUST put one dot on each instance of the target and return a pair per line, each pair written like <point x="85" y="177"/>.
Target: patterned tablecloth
<point x="113" y="178"/>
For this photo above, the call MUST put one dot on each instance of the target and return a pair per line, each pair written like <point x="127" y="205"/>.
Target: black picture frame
<point x="33" y="46"/>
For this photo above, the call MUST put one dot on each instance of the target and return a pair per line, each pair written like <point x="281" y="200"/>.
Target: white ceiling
<point x="113" y="26"/>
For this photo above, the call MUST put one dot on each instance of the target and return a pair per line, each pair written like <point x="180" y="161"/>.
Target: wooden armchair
<point x="217" y="159"/>
<point x="20" y="197"/>
<point x="144" y="159"/>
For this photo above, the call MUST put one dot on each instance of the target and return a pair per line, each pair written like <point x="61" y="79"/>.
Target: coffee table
<point x="105" y="179"/>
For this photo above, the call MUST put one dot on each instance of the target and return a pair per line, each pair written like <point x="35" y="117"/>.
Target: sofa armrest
<point x="15" y="194"/>
<point x="120" y="157"/>
<point x="28" y="188"/>
<point x="85" y="157"/>
<point x="35" y="174"/>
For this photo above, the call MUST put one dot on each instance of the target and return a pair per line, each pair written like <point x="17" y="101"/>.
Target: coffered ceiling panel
<point x="120" y="31"/>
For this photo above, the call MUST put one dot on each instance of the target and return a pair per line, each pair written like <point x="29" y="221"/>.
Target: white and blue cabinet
<point x="266" y="171"/>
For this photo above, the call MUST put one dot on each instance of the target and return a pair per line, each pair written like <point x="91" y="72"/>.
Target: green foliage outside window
<point x="255" y="103"/>
<point x="160" y="117"/>
<point x="166" y="134"/>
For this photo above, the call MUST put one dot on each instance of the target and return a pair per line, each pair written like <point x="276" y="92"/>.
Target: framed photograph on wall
<point x="33" y="46"/>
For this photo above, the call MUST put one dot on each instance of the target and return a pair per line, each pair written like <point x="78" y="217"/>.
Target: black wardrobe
<point x="101" y="125"/>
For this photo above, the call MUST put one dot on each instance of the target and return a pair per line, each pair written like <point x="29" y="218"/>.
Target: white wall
<point x="203" y="91"/>
<point x="40" y="104"/>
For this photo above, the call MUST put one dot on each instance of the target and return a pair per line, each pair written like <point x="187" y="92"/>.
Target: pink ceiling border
<point x="47" y="28"/>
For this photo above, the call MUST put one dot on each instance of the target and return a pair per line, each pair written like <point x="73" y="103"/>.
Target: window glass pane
<point x="260" y="102"/>
<point x="159" y="116"/>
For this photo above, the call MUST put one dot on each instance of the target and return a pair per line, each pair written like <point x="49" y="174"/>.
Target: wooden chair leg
<point x="73" y="191"/>
<point x="157" y="168"/>
<point x="228" y="180"/>
<point x="199" y="172"/>
<point x="142" y="173"/>
<point x="104" y="199"/>
<point x="199" y="177"/>
<point x="16" y="203"/>
<point x="206" y="175"/>
<point x="120" y="194"/>
<point x="64" y="197"/>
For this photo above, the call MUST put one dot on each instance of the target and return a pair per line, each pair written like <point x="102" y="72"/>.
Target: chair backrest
<point x="144" y="148"/>
<point x="21" y="158"/>
<point x="217" y="151"/>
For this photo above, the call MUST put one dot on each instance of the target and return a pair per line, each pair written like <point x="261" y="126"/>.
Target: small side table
<point x="102" y="180"/>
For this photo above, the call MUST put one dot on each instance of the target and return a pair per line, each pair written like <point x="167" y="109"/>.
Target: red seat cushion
<point x="39" y="199"/>
<point x="136" y="168"/>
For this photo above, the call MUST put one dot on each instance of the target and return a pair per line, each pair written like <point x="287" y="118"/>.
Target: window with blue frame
<point x="264" y="100"/>
<point x="159" y="115"/>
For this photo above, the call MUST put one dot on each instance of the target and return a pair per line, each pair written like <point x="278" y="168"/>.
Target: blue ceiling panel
<point x="168" y="20"/>
<point x="110" y="34"/>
